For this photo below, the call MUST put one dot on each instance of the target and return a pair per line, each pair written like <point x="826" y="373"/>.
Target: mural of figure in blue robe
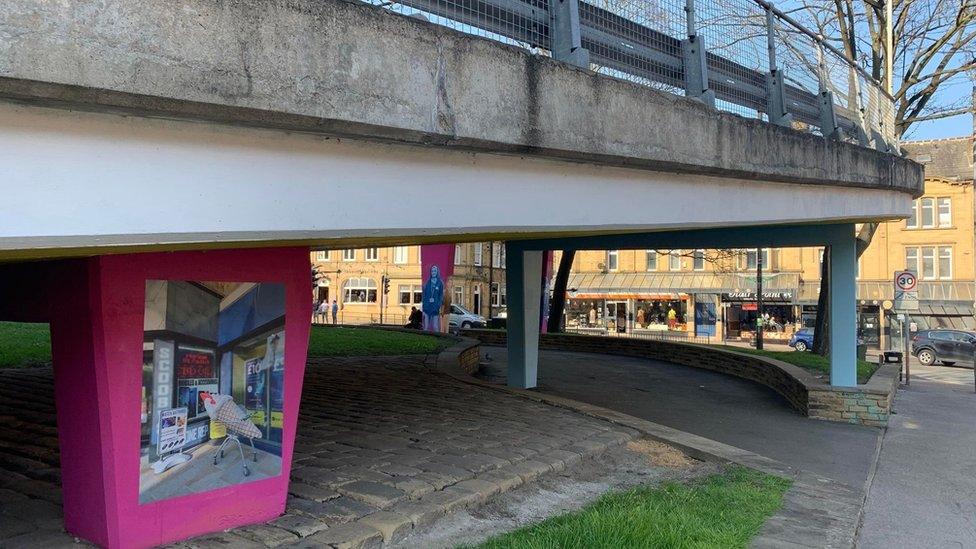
<point x="433" y="298"/>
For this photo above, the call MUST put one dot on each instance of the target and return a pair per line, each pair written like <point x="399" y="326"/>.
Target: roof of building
<point x="950" y="159"/>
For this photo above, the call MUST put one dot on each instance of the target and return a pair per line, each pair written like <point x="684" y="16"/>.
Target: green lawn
<point x="342" y="341"/>
<point x="722" y="511"/>
<point x="809" y="361"/>
<point x="23" y="345"/>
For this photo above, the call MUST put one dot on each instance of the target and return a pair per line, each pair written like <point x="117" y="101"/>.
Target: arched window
<point x="359" y="290"/>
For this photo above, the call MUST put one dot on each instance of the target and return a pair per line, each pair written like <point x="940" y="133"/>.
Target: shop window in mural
<point x="213" y="378"/>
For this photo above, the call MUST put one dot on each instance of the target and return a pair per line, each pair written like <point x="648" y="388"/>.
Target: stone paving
<point x="384" y="445"/>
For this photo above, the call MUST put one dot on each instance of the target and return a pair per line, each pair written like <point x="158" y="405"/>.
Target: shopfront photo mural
<point x="213" y="380"/>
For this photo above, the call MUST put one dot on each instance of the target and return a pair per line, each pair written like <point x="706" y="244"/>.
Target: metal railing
<point x="681" y="336"/>
<point x="740" y="56"/>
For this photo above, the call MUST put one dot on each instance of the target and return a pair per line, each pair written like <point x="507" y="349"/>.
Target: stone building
<point x="713" y="291"/>
<point x="354" y="277"/>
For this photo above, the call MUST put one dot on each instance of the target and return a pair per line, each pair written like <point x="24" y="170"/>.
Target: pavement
<point x="716" y="406"/>
<point x="924" y="491"/>
<point x="384" y="445"/>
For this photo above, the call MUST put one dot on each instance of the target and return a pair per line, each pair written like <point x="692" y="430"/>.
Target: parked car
<point x="945" y="346"/>
<point x="464" y="318"/>
<point x="500" y="320"/>
<point x="802" y="340"/>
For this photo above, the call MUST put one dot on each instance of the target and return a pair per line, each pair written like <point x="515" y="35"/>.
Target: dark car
<point x="802" y="340"/>
<point x="945" y="346"/>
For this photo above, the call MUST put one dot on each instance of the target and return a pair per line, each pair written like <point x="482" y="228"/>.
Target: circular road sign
<point x="906" y="281"/>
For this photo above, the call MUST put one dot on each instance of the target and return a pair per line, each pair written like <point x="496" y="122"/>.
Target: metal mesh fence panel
<point x="642" y="41"/>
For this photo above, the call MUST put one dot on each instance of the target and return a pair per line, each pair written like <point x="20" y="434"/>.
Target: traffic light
<point x="386" y="284"/>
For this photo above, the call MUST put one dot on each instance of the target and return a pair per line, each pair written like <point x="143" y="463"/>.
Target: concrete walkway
<point x="384" y="444"/>
<point x="716" y="406"/>
<point x="924" y="491"/>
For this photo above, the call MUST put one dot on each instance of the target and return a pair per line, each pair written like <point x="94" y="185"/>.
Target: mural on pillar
<point x="213" y="378"/>
<point x="437" y="266"/>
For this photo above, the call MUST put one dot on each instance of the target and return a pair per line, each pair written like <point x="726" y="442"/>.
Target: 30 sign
<point x="906" y="294"/>
<point x="905" y="281"/>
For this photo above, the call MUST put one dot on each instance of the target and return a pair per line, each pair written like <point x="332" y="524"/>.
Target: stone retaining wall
<point x="867" y="404"/>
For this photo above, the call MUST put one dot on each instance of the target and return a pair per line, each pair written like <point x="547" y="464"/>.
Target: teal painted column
<point x="523" y="277"/>
<point x="843" y="308"/>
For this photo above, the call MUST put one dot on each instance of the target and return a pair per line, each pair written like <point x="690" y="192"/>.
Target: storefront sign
<point x="782" y="297"/>
<point x="194" y="364"/>
<point x="172" y="430"/>
<point x="162" y="389"/>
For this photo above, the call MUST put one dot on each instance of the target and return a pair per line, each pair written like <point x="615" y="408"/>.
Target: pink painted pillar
<point x="439" y="259"/>
<point x="99" y="330"/>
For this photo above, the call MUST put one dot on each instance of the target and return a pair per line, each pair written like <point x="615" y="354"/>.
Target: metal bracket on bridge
<point x="567" y="45"/>
<point x="828" y="118"/>
<point x="776" y="102"/>
<point x="696" y="70"/>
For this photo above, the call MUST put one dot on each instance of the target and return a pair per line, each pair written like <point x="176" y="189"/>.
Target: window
<point x="698" y="260"/>
<point x="372" y="254"/>
<point x="912" y="221"/>
<point x="323" y="255"/>
<point x="458" y="295"/>
<point x="359" y="290"/>
<point x="674" y="260"/>
<point x="410" y="294"/>
<point x="400" y="254"/>
<point x="945" y="263"/>
<point x="458" y="254"/>
<point x="502" y="255"/>
<point x="930" y="262"/>
<point x="944" y="206"/>
<point x="928" y="213"/>
<point x="476" y="299"/>
<point x="349" y="255"/>
<point x="497" y="294"/>
<point x="751" y="259"/>
<point x="612" y="260"/>
<point x="911" y="260"/>
<point x="651" y="260"/>
<point x="478" y="251"/>
<point x="496" y="254"/>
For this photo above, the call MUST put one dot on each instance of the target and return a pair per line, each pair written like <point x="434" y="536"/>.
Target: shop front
<point x="740" y="314"/>
<point x="617" y="312"/>
<point x="201" y="339"/>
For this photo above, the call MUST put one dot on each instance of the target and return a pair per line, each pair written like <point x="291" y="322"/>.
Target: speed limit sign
<point x="905" y="281"/>
<point x="906" y="295"/>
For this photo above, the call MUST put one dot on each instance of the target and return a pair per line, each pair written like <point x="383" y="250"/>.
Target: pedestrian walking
<point x="335" y="312"/>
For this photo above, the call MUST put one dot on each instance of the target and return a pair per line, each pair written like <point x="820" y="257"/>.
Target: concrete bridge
<point x="221" y="129"/>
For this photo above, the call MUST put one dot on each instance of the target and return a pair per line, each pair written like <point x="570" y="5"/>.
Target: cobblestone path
<point x="384" y="445"/>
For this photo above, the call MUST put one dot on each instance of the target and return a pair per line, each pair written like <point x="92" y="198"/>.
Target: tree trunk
<point x="821" y="329"/>
<point x="558" y="305"/>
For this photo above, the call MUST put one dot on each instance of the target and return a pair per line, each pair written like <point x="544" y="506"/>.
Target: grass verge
<point x="326" y="341"/>
<point x="24" y="345"/>
<point x="809" y="361"/>
<point x="723" y="510"/>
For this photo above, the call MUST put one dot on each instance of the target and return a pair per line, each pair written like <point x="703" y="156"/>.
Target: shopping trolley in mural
<point x="224" y="411"/>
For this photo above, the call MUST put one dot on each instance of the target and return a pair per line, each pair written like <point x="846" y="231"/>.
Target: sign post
<point x="906" y="300"/>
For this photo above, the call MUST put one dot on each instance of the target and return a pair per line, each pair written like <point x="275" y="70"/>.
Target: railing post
<point x="776" y="99"/>
<point x="828" y="117"/>
<point x="564" y="25"/>
<point x="694" y="61"/>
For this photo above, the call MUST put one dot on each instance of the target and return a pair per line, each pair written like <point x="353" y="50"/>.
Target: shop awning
<point x="601" y="284"/>
<point x="873" y="290"/>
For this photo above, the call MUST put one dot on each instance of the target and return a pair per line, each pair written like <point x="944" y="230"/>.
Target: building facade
<point x="713" y="292"/>
<point x="354" y="279"/>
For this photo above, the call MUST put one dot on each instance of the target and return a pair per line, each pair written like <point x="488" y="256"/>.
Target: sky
<point x="949" y="127"/>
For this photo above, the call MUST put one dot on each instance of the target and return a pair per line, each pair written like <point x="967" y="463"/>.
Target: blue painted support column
<point x="523" y="276"/>
<point x="843" y="308"/>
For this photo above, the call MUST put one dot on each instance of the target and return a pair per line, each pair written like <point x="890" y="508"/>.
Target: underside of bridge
<point x="149" y="143"/>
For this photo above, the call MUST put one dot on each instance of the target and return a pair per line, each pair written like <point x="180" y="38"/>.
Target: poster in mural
<point x="437" y="266"/>
<point x="213" y="394"/>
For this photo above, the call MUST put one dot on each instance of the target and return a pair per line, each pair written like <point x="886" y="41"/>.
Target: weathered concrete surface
<point x="352" y="70"/>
